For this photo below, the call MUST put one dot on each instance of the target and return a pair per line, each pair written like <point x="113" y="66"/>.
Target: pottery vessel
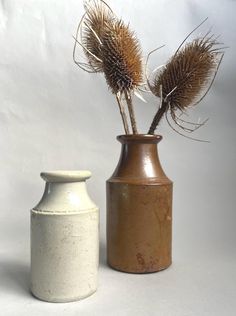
<point x="139" y="208"/>
<point x="64" y="239"/>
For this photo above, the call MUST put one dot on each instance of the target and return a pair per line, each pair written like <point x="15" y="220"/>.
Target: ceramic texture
<point x="139" y="208"/>
<point x="64" y="239"/>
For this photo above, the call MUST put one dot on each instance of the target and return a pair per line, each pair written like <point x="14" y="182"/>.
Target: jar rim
<point x="139" y="138"/>
<point x="65" y="175"/>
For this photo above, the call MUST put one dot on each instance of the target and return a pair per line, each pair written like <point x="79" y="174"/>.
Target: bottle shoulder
<point x="65" y="198"/>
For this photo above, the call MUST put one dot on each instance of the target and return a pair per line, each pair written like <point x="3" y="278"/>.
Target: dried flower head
<point x="112" y="48"/>
<point x="98" y="18"/>
<point x="186" y="79"/>
<point x="122" y="61"/>
<point x="187" y="73"/>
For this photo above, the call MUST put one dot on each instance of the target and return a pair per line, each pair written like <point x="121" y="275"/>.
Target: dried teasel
<point x="122" y="60"/>
<point x="122" y="63"/>
<point x="185" y="80"/>
<point x="112" y="48"/>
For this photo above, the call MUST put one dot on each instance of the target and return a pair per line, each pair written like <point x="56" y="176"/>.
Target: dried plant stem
<point x="123" y="115"/>
<point x="160" y="113"/>
<point x="131" y="112"/>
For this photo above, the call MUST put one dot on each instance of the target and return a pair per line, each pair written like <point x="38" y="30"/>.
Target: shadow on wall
<point x="14" y="278"/>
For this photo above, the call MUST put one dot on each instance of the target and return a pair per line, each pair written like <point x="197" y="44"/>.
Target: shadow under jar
<point x="139" y="208"/>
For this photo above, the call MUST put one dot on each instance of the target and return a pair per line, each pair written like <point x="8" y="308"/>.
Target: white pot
<point x="64" y="239"/>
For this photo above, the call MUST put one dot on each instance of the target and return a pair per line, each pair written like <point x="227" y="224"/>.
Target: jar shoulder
<point x="65" y="198"/>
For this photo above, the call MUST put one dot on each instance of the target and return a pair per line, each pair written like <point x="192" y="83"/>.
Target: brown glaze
<point x="139" y="208"/>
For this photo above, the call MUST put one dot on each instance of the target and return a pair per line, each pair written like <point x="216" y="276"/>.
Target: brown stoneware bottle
<point x="139" y="208"/>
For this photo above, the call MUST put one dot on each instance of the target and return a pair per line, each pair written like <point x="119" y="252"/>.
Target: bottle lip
<point x="139" y="138"/>
<point x="65" y="175"/>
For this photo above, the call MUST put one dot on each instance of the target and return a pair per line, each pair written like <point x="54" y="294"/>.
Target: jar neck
<point x="64" y="190"/>
<point x="139" y="158"/>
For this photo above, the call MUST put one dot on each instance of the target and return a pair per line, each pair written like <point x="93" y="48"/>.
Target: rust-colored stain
<point x="139" y="208"/>
<point x="140" y="259"/>
<point x="148" y="266"/>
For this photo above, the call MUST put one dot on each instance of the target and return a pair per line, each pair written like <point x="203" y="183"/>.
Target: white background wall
<point x="55" y="116"/>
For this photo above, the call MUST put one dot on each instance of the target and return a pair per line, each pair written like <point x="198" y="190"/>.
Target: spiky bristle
<point x="112" y="48"/>
<point x="122" y="62"/>
<point x="187" y="73"/>
<point x="98" y="18"/>
<point x="185" y="80"/>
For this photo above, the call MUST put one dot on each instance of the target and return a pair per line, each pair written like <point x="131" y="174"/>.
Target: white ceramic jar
<point x="64" y="239"/>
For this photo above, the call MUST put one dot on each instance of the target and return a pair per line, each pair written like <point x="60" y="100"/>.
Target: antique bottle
<point x="139" y="208"/>
<point x="64" y="239"/>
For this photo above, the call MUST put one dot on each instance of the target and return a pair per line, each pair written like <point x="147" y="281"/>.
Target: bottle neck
<point x="139" y="161"/>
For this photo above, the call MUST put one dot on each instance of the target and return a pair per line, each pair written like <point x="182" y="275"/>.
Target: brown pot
<point x="139" y="208"/>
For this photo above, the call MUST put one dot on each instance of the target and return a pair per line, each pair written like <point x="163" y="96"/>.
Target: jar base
<point x="62" y="300"/>
<point x="155" y="270"/>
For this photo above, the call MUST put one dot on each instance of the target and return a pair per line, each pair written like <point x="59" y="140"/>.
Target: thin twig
<point x="163" y="108"/>
<point x="123" y="115"/>
<point x="159" y="114"/>
<point x="131" y="112"/>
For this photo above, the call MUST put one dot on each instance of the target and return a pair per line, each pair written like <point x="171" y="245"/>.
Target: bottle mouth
<point x="65" y="175"/>
<point x="139" y="138"/>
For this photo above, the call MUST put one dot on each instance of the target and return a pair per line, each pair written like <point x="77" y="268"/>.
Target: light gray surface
<point x="54" y="116"/>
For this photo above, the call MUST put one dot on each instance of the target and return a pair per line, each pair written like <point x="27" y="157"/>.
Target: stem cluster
<point x="130" y="107"/>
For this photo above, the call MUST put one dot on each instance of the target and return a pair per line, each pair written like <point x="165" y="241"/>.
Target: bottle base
<point x="138" y="271"/>
<point x="61" y="300"/>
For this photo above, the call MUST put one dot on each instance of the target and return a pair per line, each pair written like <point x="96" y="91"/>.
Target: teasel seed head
<point x="188" y="73"/>
<point x="185" y="81"/>
<point x="112" y="48"/>
<point x="122" y="60"/>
